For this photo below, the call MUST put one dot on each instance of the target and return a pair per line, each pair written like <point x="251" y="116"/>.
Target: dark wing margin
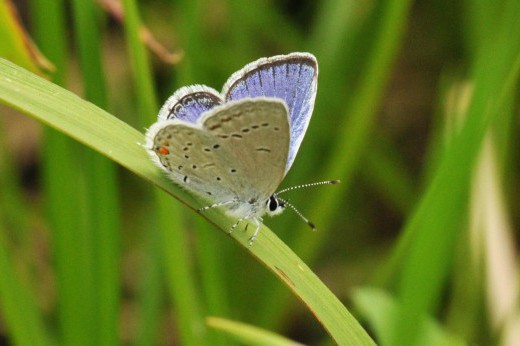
<point x="189" y="103"/>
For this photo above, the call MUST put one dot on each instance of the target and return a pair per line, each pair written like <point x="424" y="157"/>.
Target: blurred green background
<point x="416" y="113"/>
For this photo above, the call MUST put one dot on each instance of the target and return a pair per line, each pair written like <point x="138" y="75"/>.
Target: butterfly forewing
<point x="255" y="133"/>
<point x="292" y="78"/>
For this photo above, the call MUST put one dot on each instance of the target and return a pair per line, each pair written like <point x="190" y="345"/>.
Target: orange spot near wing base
<point x="163" y="151"/>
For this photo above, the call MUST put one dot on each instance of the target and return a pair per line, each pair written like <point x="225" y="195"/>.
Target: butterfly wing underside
<point x="236" y="151"/>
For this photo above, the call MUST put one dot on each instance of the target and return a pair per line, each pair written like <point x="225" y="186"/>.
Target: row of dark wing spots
<point x="186" y="148"/>
<point x="245" y="130"/>
<point x="208" y="149"/>
<point x="225" y="119"/>
<point x="211" y="164"/>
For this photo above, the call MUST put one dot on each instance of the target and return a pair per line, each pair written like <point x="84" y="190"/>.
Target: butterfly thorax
<point x="256" y="207"/>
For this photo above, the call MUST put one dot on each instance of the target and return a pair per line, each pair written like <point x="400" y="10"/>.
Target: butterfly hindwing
<point x="189" y="103"/>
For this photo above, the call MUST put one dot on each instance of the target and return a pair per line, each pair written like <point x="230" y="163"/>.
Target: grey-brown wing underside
<point x="240" y="151"/>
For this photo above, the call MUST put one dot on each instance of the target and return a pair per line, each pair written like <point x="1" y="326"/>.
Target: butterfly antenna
<point x="311" y="225"/>
<point x="328" y="182"/>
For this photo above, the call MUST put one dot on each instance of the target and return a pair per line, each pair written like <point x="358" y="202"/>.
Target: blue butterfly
<point x="236" y="146"/>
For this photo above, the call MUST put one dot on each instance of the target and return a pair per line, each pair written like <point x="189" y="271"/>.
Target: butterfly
<point x="236" y="146"/>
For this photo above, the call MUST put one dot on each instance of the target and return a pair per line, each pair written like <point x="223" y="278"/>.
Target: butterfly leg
<point x="236" y="223"/>
<point x="247" y="217"/>
<point x="219" y="204"/>
<point x="257" y="230"/>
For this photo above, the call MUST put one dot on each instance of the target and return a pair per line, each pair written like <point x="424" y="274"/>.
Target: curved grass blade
<point x="249" y="335"/>
<point x="96" y="128"/>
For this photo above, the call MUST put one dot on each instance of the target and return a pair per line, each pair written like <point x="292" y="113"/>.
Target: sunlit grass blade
<point x="492" y="235"/>
<point x="249" y="335"/>
<point x="104" y="133"/>
<point x="16" y="45"/>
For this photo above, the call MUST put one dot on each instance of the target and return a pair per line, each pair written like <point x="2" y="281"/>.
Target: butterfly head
<point x="275" y="205"/>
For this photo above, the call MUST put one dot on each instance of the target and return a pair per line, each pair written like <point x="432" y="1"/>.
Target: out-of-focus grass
<point x="173" y="241"/>
<point x="187" y="270"/>
<point x="72" y="249"/>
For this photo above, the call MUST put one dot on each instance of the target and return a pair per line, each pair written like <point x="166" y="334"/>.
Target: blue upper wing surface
<point x="189" y="103"/>
<point x="292" y="78"/>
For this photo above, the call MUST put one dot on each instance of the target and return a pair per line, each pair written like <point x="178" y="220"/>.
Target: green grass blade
<point x="249" y="335"/>
<point x="19" y="310"/>
<point x="381" y="309"/>
<point x="180" y="279"/>
<point x="106" y="134"/>
<point x="355" y="132"/>
<point x="428" y="238"/>
<point x="152" y="296"/>
<point x="23" y="320"/>
<point x="60" y="159"/>
<point x="210" y="256"/>
<point x="351" y="142"/>
<point x="194" y="67"/>
<point x="384" y="169"/>
<point x="102" y="192"/>
<point x="14" y="210"/>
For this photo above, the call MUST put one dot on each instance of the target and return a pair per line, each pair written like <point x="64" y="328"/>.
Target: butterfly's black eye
<point x="273" y="203"/>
